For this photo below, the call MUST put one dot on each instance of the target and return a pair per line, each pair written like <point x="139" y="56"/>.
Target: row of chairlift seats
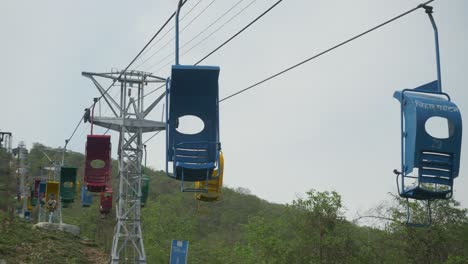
<point x="429" y="164"/>
<point x="196" y="158"/>
<point x="432" y="163"/>
<point x="43" y="191"/>
<point x="66" y="189"/>
<point x="97" y="175"/>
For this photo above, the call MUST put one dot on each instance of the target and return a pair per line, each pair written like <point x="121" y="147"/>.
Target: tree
<point x="319" y="213"/>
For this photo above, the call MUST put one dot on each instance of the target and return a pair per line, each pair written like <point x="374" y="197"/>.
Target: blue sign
<point x="179" y="251"/>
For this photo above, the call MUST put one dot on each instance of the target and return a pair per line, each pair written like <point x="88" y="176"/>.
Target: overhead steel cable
<point x="227" y="41"/>
<point x="223" y="44"/>
<point x="213" y="23"/>
<point x="182" y="30"/>
<point x="170" y="40"/>
<point x="167" y="32"/>
<point x="203" y="40"/>
<point x="240" y="31"/>
<point x="197" y="16"/>
<point x="203" y="31"/>
<point x="306" y="60"/>
<point x="74" y="131"/>
<point x="325" y="51"/>
<point x="155" y="134"/>
<point x="126" y="68"/>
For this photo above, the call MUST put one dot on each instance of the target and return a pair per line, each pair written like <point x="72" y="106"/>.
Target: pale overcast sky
<point x="331" y="124"/>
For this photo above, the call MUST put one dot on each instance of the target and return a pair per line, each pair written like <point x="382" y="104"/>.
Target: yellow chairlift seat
<point x="214" y="186"/>
<point x="52" y="187"/>
<point x="30" y="207"/>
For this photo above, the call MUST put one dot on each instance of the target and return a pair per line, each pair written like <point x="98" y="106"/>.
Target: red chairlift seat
<point x="106" y="201"/>
<point x="37" y="183"/>
<point x="97" y="162"/>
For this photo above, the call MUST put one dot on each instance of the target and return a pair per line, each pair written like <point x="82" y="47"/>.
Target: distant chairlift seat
<point x="68" y="184"/>
<point x="144" y="189"/>
<point x="432" y="163"/>
<point x="86" y="197"/>
<point x="97" y="162"/>
<point x="52" y="188"/>
<point x="42" y="192"/>
<point x="37" y="183"/>
<point x="30" y="203"/>
<point x="192" y="91"/>
<point x="33" y="198"/>
<point x="106" y="201"/>
<point x="214" y="186"/>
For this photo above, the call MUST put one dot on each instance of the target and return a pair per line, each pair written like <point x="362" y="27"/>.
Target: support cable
<point x="128" y="66"/>
<point x="306" y="60"/>
<point x="185" y="27"/>
<point x="239" y="32"/>
<point x="167" y="32"/>
<point x="74" y="131"/>
<point x="325" y="51"/>
<point x="144" y="143"/>
<point x="201" y="32"/>
<point x="225" y="42"/>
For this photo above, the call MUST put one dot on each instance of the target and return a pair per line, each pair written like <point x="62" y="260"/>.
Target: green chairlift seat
<point x="68" y="184"/>
<point x="144" y="189"/>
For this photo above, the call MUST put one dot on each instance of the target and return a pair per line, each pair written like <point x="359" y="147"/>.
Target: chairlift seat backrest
<point x="437" y="159"/>
<point x="106" y="201"/>
<point x="193" y="91"/>
<point x="52" y="188"/>
<point x="68" y="184"/>
<point x="98" y="162"/>
<point x="42" y="188"/>
<point x="421" y="149"/>
<point x="144" y="189"/>
<point x="32" y="198"/>
<point x="86" y="197"/>
<point x="37" y="183"/>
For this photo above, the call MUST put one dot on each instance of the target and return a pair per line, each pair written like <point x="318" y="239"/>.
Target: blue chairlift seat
<point x="431" y="162"/>
<point x="192" y="91"/>
<point x="42" y="192"/>
<point x="86" y="197"/>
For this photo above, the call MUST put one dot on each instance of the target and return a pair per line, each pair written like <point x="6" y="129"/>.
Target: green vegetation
<point x="245" y="229"/>
<point x="20" y="243"/>
<point x="7" y="182"/>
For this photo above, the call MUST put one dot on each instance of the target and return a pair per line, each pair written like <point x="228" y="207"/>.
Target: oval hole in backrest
<point x="190" y="125"/>
<point x="97" y="164"/>
<point x="68" y="184"/>
<point x="437" y="127"/>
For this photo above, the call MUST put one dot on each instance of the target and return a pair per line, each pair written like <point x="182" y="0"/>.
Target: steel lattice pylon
<point x="22" y="174"/>
<point x="6" y="141"/>
<point x="129" y="120"/>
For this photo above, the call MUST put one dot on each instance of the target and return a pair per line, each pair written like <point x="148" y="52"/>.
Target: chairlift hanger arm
<point x="179" y="6"/>
<point x="429" y="11"/>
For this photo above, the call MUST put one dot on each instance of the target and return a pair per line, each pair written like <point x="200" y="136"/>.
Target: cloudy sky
<point x="331" y="124"/>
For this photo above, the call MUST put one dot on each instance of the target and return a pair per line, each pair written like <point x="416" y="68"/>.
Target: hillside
<point x="20" y="243"/>
<point x="245" y="229"/>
